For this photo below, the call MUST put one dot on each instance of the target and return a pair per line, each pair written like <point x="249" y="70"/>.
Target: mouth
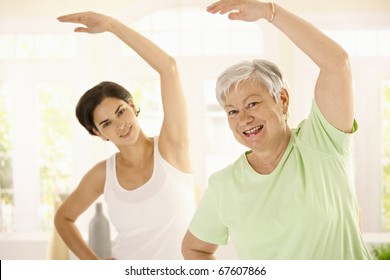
<point x="253" y="131"/>
<point x="126" y="133"/>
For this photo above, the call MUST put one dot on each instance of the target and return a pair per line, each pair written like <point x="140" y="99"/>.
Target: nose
<point x="244" y="117"/>
<point x="121" y="125"/>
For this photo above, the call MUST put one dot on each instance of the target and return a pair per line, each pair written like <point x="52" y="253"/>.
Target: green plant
<point x="382" y="252"/>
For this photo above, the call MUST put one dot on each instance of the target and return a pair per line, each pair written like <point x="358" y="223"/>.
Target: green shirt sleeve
<point x="317" y="133"/>
<point x="206" y="224"/>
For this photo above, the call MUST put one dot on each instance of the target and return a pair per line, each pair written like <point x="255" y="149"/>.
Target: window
<point x="36" y="129"/>
<point x="192" y="32"/>
<point x="39" y="46"/>
<point x="55" y="133"/>
<point x="363" y="42"/>
<point x="146" y="95"/>
<point x="6" y="182"/>
<point x="386" y="152"/>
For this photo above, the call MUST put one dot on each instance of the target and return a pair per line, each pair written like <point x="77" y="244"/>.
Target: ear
<point x="135" y="107"/>
<point x="97" y="133"/>
<point x="284" y="100"/>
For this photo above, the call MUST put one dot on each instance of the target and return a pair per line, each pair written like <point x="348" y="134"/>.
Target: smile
<point x="127" y="132"/>
<point x="253" y="131"/>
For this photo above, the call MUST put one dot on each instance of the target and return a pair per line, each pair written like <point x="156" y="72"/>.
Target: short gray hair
<point x="260" y="70"/>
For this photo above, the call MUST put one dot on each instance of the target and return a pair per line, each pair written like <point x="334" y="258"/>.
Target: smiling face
<point x="255" y="118"/>
<point x="116" y="120"/>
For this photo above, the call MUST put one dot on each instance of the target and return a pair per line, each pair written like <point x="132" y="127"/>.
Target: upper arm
<point x="90" y="188"/>
<point x="174" y="138"/>
<point x="173" y="141"/>
<point x="334" y="93"/>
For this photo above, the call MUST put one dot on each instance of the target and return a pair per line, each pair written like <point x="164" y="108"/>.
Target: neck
<point x="265" y="161"/>
<point x="137" y="152"/>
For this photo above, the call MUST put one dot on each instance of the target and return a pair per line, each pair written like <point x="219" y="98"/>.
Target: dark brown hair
<point x="93" y="97"/>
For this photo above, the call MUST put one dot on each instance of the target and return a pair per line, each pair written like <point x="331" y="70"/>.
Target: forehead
<point x="245" y="89"/>
<point x="107" y="107"/>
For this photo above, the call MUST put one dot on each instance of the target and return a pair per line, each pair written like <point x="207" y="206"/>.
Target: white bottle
<point x="99" y="234"/>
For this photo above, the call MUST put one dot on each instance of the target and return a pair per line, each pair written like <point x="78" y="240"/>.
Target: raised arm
<point x="333" y="90"/>
<point x="173" y="140"/>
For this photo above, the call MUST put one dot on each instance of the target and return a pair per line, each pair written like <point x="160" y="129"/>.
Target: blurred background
<point x="45" y="67"/>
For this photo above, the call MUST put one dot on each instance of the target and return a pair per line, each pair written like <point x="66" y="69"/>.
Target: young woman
<point x="291" y="195"/>
<point x="147" y="184"/>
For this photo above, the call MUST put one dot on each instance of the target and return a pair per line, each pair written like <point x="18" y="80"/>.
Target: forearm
<point x="195" y="249"/>
<point x="333" y="90"/>
<point x="192" y="254"/>
<point x="324" y="52"/>
<point x="74" y="241"/>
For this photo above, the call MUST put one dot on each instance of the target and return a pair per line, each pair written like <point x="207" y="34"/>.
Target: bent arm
<point x="333" y="90"/>
<point x="174" y="139"/>
<point x="89" y="189"/>
<point x="196" y="249"/>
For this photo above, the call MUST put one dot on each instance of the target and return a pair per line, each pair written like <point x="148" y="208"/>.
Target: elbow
<point x="172" y="64"/>
<point x="185" y="250"/>
<point x="169" y="67"/>
<point x="341" y="61"/>
<point x="60" y="219"/>
<point x="334" y="59"/>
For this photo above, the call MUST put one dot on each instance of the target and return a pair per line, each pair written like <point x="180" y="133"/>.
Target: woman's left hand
<point x="246" y="10"/>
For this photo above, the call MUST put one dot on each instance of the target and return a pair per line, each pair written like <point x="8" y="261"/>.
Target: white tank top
<point x="151" y="220"/>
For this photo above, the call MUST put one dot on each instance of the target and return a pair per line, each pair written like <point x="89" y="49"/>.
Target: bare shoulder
<point x="95" y="178"/>
<point x="89" y="189"/>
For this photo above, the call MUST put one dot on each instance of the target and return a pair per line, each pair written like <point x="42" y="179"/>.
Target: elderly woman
<point x="291" y="195"/>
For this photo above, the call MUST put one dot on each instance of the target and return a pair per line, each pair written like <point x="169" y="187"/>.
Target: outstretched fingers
<point x="94" y="22"/>
<point x="220" y="7"/>
<point x="246" y="10"/>
<point x="75" y="18"/>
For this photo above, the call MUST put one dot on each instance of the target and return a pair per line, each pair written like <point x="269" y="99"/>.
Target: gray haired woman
<point x="291" y="195"/>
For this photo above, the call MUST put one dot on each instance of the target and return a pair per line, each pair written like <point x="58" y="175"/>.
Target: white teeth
<point x="253" y="130"/>
<point x="124" y="134"/>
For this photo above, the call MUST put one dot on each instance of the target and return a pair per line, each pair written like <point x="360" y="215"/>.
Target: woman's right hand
<point x="94" y="22"/>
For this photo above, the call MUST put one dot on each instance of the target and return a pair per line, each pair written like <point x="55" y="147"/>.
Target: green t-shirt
<point x="305" y="209"/>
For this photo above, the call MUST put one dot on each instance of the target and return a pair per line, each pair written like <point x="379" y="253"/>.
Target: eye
<point x="121" y="112"/>
<point x="106" y="124"/>
<point x="232" y="113"/>
<point x="253" y="105"/>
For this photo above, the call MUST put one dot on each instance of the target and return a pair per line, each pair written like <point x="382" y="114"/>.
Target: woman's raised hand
<point x="246" y="10"/>
<point x="94" y="22"/>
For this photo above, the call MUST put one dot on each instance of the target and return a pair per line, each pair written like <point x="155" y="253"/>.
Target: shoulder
<point x="318" y="133"/>
<point x="99" y="168"/>
<point x="95" y="177"/>
<point x="228" y="173"/>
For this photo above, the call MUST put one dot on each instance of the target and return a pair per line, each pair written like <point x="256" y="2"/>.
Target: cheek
<point x="231" y="123"/>
<point x="278" y="117"/>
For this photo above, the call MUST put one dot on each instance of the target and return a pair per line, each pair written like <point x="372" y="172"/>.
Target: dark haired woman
<point x="147" y="184"/>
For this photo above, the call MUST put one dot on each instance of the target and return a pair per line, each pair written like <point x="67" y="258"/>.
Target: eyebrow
<point x="116" y="111"/>
<point x="252" y="95"/>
